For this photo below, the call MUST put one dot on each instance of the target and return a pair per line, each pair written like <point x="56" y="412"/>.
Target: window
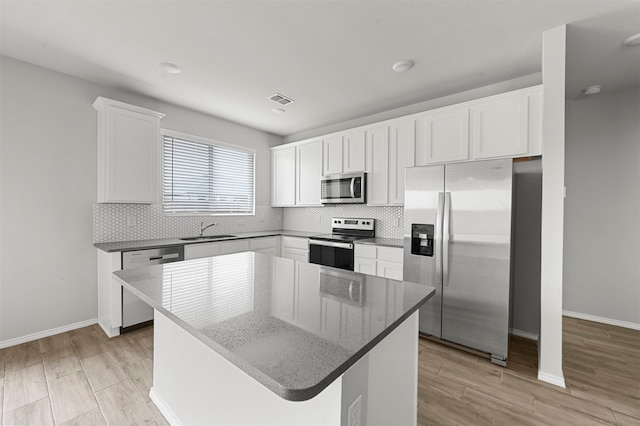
<point x="201" y="176"/>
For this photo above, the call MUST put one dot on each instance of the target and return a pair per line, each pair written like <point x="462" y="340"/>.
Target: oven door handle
<point x="331" y="244"/>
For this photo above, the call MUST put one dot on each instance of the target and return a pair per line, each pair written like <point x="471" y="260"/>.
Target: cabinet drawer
<point x="362" y="250"/>
<point x="295" y="242"/>
<point x="392" y="270"/>
<point x="196" y="251"/>
<point x="237" y="246"/>
<point x="390" y="254"/>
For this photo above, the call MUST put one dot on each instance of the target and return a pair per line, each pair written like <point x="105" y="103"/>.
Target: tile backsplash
<point x="389" y="220"/>
<point x="130" y="222"/>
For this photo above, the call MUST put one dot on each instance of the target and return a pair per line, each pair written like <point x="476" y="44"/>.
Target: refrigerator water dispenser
<point x="422" y="239"/>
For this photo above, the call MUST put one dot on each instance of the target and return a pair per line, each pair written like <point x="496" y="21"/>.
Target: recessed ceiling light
<point x="634" y="40"/>
<point x="402" y="66"/>
<point x="278" y="111"/>
<point x="592" y="90"/>
<point x="170" y="68"/>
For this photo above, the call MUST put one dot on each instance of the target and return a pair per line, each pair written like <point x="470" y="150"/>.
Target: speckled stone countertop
<point x="389" y="242"/>
<point x="280" y="321"/>
<point x="165" y="242"/>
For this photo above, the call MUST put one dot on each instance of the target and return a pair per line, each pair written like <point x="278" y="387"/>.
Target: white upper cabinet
<point x="344" y="153"/>
<point x="128" y="153"/>
<point x="402" y="144"/>
<point x="353" y="152"/>
<point x="332" y="159"/>
<point x="500" y="127"/>
<point x="295" y="174"/>
<point x="378" y="165"/>
<point x="443" y="135"/>
<point x="283" y="176"/>
<point x="308" y="173"/>
<point x="507" y="125"/>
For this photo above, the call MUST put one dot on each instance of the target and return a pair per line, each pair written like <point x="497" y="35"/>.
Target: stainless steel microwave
<point x="343" y="188"/>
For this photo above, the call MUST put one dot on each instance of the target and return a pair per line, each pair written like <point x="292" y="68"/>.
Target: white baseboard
<point x="164" y="409"/>
<point x="524" y="334"/>
<point x="603" y="320"/>
<point x="47" y="333"/>
<point x="551" y="378"/>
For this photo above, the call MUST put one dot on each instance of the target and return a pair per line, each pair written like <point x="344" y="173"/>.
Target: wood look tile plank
<point x="60" y="362"/>
<point x="429" y="382"/>
<point x="59" y="343"/>
<point x="618" y="401"/>
<point x="24" y="386"/>
<point x="445" y="410"/>
<point x="86" y="342"/>
<point x="497" y="400"/>
<point x="92" y="418"/>
<point x="561" y="414"/>
<point x="102" y="371"/>
<point x="71" y="396"/>
<point x="626" y="420"/>
<point x="122" y="405"/>
<point x="125" y="350"/>
<point x="529" y="389"/>
<point x="470" y="375"/>
<point x="21" y="356"/>
<point x="35" y="413"/>
<point x="140" y="373"/>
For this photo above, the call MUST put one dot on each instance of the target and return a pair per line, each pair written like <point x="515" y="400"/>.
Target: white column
<point x="553" y="192"/>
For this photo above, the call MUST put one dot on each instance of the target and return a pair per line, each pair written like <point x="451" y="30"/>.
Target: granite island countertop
<point x="294" y="327"/>
<point x="110" y="247"/>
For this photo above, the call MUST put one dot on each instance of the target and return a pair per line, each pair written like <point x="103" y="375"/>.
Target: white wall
<point x="48" y="188"/>
<point x="602" y="214"/>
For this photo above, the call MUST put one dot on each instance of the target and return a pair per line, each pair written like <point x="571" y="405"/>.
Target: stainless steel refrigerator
<point x="457" y="238"/>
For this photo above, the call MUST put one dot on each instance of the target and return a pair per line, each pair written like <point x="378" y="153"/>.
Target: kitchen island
<point x="248" y="338"/>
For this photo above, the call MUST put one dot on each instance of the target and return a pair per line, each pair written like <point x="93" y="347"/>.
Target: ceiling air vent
<point x="281" y="99"/>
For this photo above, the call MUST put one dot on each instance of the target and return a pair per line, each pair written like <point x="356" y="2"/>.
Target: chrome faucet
<point x="204" y="228"/>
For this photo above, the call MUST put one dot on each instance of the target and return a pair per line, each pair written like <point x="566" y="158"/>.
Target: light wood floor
<point x="83" y="378"/>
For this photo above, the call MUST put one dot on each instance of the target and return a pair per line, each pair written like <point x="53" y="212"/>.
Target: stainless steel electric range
<point x="336" y="249"/>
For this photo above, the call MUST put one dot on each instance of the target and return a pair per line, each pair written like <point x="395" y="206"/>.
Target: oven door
<point x="331" y="253"/>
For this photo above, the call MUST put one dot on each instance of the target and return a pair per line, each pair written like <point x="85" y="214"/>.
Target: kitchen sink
<point x="207" y="238"/>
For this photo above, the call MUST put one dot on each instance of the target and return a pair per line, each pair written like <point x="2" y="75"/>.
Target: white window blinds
<point x="206" y="178"/>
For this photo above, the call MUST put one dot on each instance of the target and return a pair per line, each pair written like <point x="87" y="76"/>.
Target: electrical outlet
<point x="355" y="412"/>
<point x="319" y="218"/>
<point x="131" y="221"/>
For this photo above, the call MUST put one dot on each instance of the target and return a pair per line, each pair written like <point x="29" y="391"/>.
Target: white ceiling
<point x="332" y="57"/>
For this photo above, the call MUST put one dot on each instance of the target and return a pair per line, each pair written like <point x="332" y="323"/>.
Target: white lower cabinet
<point x="296" y="248"/>
<point x="381" y="261"/>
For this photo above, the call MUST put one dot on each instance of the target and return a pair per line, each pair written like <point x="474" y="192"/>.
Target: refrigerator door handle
<point x="438" y="238"/>
<point x="445" y="238"/>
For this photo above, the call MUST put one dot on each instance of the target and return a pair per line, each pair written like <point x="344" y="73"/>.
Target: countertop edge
<point x="111" y="247"/>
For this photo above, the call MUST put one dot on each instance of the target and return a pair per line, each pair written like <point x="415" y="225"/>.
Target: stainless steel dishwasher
<point x="135" y="312"/>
